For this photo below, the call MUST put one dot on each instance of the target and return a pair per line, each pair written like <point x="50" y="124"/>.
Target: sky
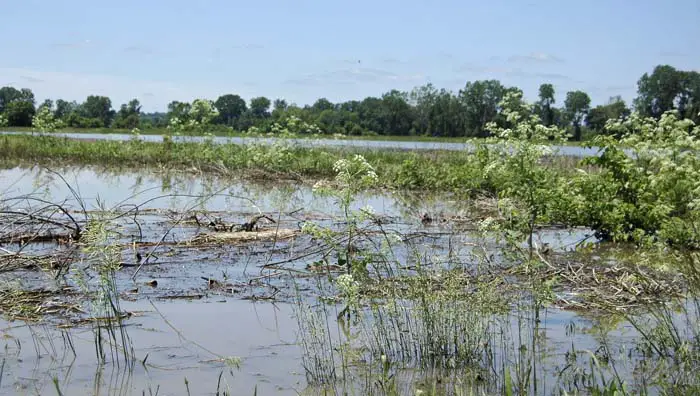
<point x="159" y="51"/>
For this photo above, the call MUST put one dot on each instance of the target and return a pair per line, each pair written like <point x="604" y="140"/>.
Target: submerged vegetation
<point x="386" y="306"/>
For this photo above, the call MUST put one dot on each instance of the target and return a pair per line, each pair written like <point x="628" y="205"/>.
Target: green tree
<point x="321" y="105"/>
<point x="47" y="103"/>
<point x="667" y="88"/>
<point x="19" y="113"/>
<point x="446" y="115"/>
<point x="544" y="107"/>
<point x="11" y="94"/>
<point x="260" y="107"/>
<point x="397" y="113"/>
<point x="371" y="115"/>
<point x="689" y="98"/>
<point x="64" y="108"/>
<point x="423" y="99"/>
<point x="230" y="108"/>
<point x="280" y="104"/>
<point x="657" y="92"/>
<point x="99" y="108"/>
<point x="129" y="115"/>
<point x="279" y="109"/>
<point x="598" y="116"/>
<point x="7" y="96"/>
<point x="480" y="100"/>
<point x="179" y="110"/>
<point x="576" y="107"/>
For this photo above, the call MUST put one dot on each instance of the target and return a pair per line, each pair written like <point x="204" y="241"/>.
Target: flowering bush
<point x="652" y="191"/>
<point x="293" y="125"/>
<point x="44" y="121"/>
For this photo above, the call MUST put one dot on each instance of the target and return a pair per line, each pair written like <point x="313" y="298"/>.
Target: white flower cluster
<point x="44" y="120"/>
<point x="294" y="125"/>
<point x="348" y="287"/>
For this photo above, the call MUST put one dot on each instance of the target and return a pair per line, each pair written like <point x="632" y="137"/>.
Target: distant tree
<point x="371" y="115"/>
<point x="689" y="99"/>
<point x="20" y="113"/>
<point x="397" y="114"/>
<point x="100" y="108"/>
<point x="447" y="115"/>
<point x="657" y="92"/>
<point x="47" y="103"/>
<point x="27" y="95"/>
<point x="279" y="109"/>
<point x="480" y="100"/>
<point x="423" y="99"/>
<point x="11" y="94"/>
<point x="63" y="108"/>
<point x="129" y="115"/>
<point x="545" y="104"/>
<point x="322" y="104"/>
<point x="260" y="107"/>
<point x="8" y="95"/>
<point x="230" y="107"/>
<point x="179" y="110"/>
<point x="330" y="121"/>
<point x="153" y="120"/>
<point x="576" y="107"/>
<point x="599" y="115"/>
<point x="280" y="104"/>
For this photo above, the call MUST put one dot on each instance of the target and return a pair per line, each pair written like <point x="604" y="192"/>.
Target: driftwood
<point x="218" y="225"/>
<point x="243" y="236"/>
<point x="250" y="224"/>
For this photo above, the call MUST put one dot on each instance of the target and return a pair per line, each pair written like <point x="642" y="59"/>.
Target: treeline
<point x="425" y="111"/>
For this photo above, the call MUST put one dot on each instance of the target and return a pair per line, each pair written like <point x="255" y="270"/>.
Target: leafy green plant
<point x="44" y="121"/>
<point x="529" y="191"/>
<point x="651" y="191"/>
<point x="352" y="177"/>
<point x="292" y="126"/>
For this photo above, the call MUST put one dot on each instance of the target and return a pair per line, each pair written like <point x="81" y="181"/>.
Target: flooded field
<point x="173" y="283"/>
<point x="573" y="151"/>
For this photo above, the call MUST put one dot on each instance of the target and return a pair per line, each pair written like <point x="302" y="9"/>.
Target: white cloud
<point x="353" y="76"/>
<point x="535" y="57"/>
<point x="509" y="71"/>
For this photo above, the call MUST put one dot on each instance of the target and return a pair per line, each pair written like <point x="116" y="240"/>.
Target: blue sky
<point x="159" y="51"/>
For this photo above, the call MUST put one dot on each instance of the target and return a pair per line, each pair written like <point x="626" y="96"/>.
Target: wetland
<point x="178" y="267"/>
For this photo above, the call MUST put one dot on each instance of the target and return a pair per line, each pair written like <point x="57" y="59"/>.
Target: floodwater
<point x="572" y="151"/>
<point x="187" y="332"/>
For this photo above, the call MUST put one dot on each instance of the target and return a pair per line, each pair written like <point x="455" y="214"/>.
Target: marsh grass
<point x="103" y="256"/>
<point x="404" y="169"/>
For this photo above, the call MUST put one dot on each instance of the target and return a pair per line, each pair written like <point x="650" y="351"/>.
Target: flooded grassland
<point x="165" y="283"/>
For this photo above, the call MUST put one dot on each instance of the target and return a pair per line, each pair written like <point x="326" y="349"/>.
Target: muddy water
<point x="262" y="335"/>
<point x="192" y="327"/>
